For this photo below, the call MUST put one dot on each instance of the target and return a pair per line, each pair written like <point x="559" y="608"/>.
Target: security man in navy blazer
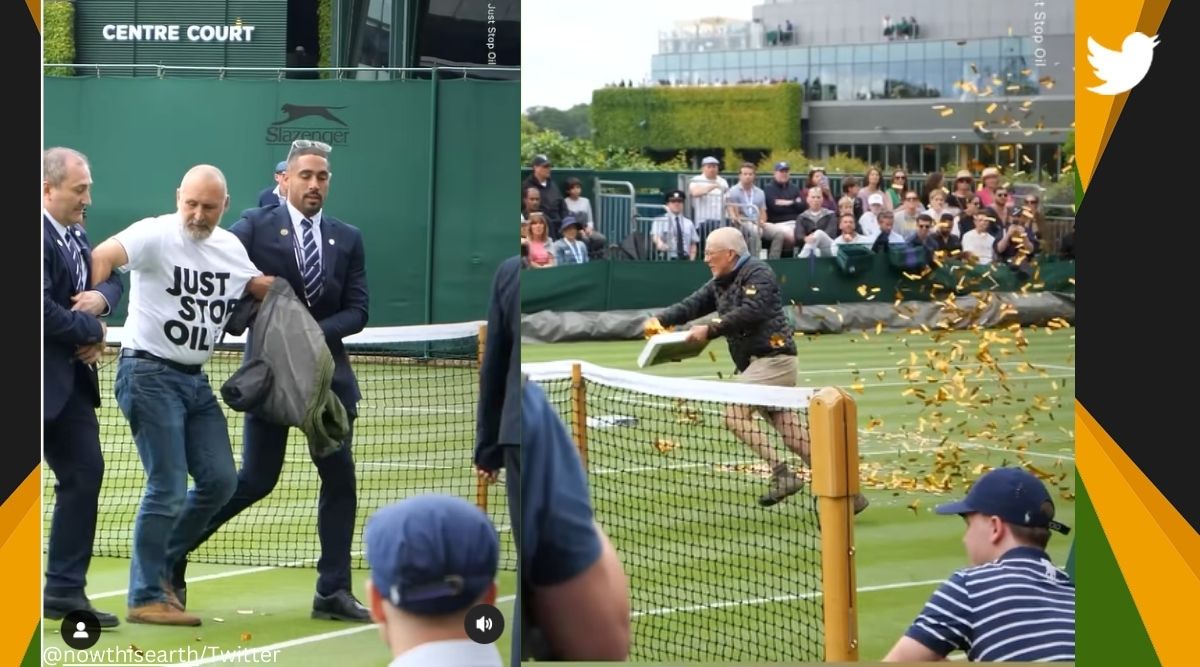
<point x="73" y="342"/>
<point x="323" y="260"/>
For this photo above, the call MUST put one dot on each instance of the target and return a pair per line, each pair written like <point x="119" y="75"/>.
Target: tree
<point x="572" y="123"/>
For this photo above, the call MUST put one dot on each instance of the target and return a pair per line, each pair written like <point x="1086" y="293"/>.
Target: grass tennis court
<point x="415" y="433"/>
<point x="278" y="601"/>
<point x="903" y="549"/>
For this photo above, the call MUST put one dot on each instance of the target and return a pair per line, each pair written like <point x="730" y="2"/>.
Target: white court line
<point x="238" y="656"/>
<point x="778" y="598"/>
<point x="221" y="575"/>
<point x="919" y="384"/>
<point x="851" y="369"/>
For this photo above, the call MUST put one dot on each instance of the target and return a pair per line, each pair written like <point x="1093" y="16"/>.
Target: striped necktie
<point x="312" y="264"/>
<point x="77" y="262"/>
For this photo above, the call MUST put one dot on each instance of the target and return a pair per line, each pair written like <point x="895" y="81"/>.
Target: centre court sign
<point x="177" y="33"/>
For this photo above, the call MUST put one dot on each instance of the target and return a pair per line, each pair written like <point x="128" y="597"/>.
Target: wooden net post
<point x="579" y="412"/>
<point x="481" y="485"/>
<point x="833" y="421"/>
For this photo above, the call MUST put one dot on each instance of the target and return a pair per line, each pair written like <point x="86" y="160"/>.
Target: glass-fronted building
<point x="911" y="83"/>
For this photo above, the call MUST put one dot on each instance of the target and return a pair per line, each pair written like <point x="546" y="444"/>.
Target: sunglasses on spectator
<point x="307" y="143"/>
<point x="1001" y="194"/>
<point x="899" y="177"/>
<point x="924" y="225"/>
<point x="910" y="199"/>
<point x="1031" y="201"/>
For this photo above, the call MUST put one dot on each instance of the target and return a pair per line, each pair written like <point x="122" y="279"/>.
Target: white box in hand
<point x="671" y="346"/>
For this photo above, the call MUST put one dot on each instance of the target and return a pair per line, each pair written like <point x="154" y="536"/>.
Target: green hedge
<point x="324" y="35"/>
<point x="668" y="118"/>
<point x="58" y="31"/>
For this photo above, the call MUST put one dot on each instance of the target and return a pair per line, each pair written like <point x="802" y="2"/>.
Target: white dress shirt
<point x="298" y="228"/>
<point x="62" y="233"/>
<point x="449" y="653"/>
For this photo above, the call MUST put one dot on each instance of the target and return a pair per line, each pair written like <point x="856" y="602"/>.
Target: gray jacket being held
<point x="287" y="369"/>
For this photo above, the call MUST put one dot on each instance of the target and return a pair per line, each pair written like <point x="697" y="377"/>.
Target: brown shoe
<point x="860" y="503"/>
<point x="172" y="599"/>
<point x="160" y="613"/>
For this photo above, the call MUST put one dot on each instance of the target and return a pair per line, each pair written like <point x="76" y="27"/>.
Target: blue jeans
<point x="179" y="429"/>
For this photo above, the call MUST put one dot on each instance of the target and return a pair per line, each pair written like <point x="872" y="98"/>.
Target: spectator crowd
<point x="980" y="222"/>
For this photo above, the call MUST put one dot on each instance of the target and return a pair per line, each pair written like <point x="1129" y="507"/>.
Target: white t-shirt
<point x="181" y="290"/>
<point x="979" y="244"/>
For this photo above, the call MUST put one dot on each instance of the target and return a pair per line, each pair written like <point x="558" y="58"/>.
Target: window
<point x="929" y="160"/>
<point x="844" y="82"/>
<point x="844" y="55"/>
<point x="798" y="56"/>
<point x="862" y="54"/>
<point x="933" y="50"/>
<point x="935" y="84"/>
<point x="948" y="154"/>
<point x="895" y="85"/>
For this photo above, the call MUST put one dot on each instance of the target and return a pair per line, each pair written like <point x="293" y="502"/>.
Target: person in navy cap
<point x="569" y="249"/>
<point x="1013" y="604"/>
<point x="276" y="195"/>
<point x="432" y="558"/>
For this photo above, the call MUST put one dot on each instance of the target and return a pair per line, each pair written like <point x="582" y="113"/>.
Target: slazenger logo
<point x="308" y="122"/>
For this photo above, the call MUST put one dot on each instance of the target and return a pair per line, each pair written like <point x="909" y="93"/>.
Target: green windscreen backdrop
<point x="432" y="213"/>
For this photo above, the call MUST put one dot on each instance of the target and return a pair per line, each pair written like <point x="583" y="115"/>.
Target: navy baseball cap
<point x="675" y="194"/>
<point x="431" y="554"/>
<point x="281" y="167"/>
<point x="782" y="166"/>
<point x="539" y="160"/>
<point x="1014" y="495"/>
<point x="568" y="221"/>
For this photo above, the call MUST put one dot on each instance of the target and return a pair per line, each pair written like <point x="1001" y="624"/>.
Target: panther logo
<point x="295" y="112"/>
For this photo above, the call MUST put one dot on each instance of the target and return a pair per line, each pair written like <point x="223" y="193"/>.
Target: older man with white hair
<point x="745" y="295"/>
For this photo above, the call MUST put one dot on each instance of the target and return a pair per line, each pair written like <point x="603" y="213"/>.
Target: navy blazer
<point x="341" y="308"/>
<point x="64" y="329"/>
<point x="268" y="197"/>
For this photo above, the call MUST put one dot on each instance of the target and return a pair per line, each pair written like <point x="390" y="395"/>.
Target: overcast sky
<point x="569" y="49"/>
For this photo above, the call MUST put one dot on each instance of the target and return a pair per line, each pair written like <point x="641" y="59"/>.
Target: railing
<point x="161" y="71"/>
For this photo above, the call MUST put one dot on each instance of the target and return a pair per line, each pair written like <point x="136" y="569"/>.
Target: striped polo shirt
<point x="1018" y="608"/>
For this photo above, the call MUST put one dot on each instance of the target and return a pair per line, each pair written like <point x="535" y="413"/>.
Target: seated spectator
<point x="1066" y="247"/>
<point x="924" y="233"/>
<point x="848" y="233"/>
<point x="850" y="188"/>
<point x="817" y="225"/>
<point x="846" y="207"/>
<point x="746" y="205"/>
<point x="977" y="244"/>
<point x="906" y="215"/>
<point x="874" y="185"/>
<point x="933" y="183"/>
<point x="1017" y="247"/>
<point x="674" y="235"/>
<point x="540" y="254"/>
<point x="1002" y="209"/>
<point x="569" y="249"/>
<point x="581" y="209"/>
<point x="898" y="188"/>
<point x="990" y="180"/>
<point x="1032" y="210"/>
<point x="964" y="189"/>
<point x="869" y="222"/>
<point x="938" y="209"/>
<point x="817" y="178"/>
<point x="947" y="244"/>
<point x="887" y="236"/>
<point x="531" y="202"/>
<point x="966" y="220"/>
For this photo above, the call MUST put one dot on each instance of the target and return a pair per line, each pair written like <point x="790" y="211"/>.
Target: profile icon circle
<point x="80" y="629"/>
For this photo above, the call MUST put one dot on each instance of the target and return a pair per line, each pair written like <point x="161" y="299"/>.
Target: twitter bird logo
<point x="1121" y="70"/>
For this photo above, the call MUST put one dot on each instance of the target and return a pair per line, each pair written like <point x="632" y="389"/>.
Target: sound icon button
<point x="484" y="624"/>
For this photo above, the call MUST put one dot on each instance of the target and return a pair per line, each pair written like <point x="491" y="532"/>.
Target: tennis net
<point x="713" y="575"/>
<point x="415" y="433"/>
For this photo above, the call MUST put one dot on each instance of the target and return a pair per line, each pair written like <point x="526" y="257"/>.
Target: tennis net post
<point x="834" y="437"/>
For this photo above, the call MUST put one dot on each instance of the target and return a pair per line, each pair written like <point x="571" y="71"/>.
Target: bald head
<point x="202" y="198"/>
<point x="727" y="238"/>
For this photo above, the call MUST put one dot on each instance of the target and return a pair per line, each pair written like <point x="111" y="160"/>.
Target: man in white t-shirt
<point x="187" y="274"/>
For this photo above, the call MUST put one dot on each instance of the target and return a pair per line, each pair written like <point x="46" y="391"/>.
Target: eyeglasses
<point x="1031" y="201"/>
<point x="899" y="177"/>
<point x="923" y="226"/>
<point x="301" y="144"/>
<point x="910" y="199"/>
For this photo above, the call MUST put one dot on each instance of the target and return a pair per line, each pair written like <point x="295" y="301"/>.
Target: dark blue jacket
<point x="498" y="419"/>
<point x="64" y="330"/>
<point x="341" y="309"/>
